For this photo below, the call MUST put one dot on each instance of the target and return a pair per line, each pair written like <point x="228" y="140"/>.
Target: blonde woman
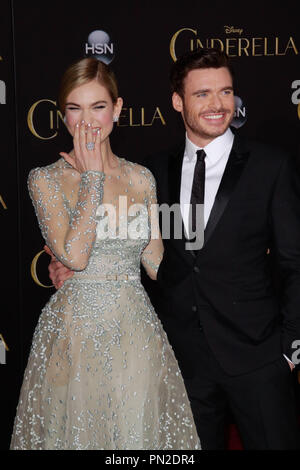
<point x="101" y="373"/>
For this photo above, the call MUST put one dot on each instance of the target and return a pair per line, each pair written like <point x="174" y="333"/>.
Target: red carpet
<point x="233" y="438"/>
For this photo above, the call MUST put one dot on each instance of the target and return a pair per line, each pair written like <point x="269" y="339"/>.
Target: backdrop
<point x="38" y="40"/>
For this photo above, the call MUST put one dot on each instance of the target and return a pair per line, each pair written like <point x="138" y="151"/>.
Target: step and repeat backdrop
<point x="140" y="40"/>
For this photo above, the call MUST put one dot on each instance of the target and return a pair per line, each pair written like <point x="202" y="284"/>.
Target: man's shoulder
<point x="265" y="151"/>
<point x="161" y="157"/>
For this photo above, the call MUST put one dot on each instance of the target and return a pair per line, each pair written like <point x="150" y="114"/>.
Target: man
<point x="231" y="331"/>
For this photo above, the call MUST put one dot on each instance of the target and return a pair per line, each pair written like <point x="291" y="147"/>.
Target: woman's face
<point x="92" y="104"/>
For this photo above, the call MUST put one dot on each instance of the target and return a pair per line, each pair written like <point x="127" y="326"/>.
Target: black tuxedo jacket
<point x="228" y="287"/>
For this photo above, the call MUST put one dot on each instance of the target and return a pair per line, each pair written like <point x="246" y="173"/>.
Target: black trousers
<point x="262" y="402"/>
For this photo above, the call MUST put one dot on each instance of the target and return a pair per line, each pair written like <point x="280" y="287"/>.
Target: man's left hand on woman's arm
<point x="58" y="273"/>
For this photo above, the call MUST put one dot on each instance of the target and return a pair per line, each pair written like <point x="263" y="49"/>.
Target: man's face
<point x="207" y="106"/>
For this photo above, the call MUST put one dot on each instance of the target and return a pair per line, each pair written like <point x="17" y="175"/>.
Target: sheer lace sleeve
<point x="70" y="234"/>
<point x="153" y="253"/>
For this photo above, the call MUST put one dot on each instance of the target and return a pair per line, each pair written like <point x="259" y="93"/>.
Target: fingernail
<point x="77" y="125"/>
<point x="89" y="124"/>
<point x="82" y="122"/>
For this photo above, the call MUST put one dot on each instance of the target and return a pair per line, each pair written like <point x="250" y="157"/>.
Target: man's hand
<point x="58" y="273"/>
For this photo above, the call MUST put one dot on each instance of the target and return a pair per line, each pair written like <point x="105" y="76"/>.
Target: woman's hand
<point x="85" y="159"/>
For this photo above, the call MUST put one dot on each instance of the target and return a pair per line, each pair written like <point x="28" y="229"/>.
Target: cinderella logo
<point x="100" y="46"/>
<point x="2" y="202"/>
<point x="3" y="349"/>
<point x="33" y="270"/>
<point x="250" y="46"/>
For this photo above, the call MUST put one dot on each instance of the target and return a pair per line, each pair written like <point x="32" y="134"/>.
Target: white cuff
<point x="289" y="361"/>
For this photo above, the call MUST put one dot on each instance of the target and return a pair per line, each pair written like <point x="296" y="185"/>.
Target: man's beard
<point x="203" y="132"/>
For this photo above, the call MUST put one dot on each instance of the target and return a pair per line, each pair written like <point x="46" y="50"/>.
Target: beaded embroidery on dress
<point x="101" y="373"/>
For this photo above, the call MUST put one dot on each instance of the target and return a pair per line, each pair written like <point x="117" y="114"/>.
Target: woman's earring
<point x="65" y="120"/>
<point x="115" y="119"/>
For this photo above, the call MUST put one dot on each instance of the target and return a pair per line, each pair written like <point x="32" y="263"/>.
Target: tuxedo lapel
<point x="233" y="170"/>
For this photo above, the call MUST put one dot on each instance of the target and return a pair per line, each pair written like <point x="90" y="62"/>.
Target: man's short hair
<point x="202" y="58"/>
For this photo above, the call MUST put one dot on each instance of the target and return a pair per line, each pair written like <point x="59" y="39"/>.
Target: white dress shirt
<point x="217" y="153"/>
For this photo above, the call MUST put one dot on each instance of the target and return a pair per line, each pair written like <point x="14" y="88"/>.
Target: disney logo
<point x="232" y="29"/>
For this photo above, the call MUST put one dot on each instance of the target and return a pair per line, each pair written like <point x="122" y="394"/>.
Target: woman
<point x="101" y="373"/>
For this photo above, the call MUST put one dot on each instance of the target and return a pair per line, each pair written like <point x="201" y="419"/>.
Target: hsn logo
<point x="100" y="46"/>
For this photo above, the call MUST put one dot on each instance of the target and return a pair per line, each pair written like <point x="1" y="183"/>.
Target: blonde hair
<point x="82" y="72"/>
